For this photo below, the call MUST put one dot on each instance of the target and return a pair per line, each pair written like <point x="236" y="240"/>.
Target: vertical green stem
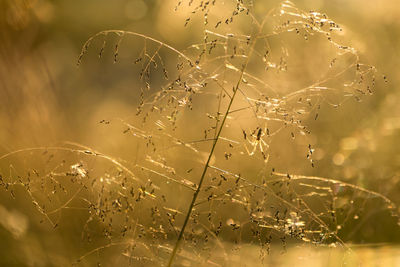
<point x="236" y="88"/>
<point x="189" y="212"/>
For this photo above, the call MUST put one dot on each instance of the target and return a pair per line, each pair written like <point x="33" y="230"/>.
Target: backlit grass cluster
<point x="209" y="125"/>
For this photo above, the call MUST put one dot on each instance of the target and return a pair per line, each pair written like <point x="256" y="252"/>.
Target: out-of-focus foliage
<point x="46" y="100"/>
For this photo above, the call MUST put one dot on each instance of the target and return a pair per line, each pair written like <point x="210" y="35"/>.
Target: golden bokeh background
<point x="46" y="100"/>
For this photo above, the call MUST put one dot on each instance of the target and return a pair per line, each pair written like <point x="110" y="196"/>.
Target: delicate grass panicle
<point x="207" y="125"/>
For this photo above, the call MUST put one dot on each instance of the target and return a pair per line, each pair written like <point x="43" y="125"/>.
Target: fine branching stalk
<point x="206" y="166"/>
<point x="217" y="137"/>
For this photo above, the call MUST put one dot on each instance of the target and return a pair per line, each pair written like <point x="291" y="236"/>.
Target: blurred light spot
<point x="349" y="143"/>
<point x="391" y="123"/>
<point x="15" y="222"/>
<point x="318" y="154"/>
<point x="136" y="9"/>
<point x="44" y="11"/>
<point x="338" y="159"/>
<point x="17" y="15"/>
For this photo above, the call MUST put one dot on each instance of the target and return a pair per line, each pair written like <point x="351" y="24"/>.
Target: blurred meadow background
<point x="46" y="100"/>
